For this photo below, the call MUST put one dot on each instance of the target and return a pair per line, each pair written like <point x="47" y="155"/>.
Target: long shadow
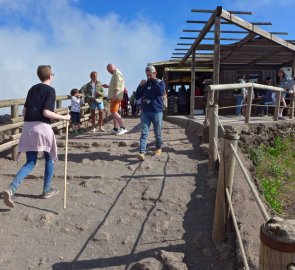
<point x="126" y="260"/>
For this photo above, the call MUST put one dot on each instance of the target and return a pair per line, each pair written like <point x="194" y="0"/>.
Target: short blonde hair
<point x="44" y="72"/>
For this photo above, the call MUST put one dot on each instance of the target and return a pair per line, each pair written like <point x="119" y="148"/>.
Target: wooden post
<point x="216" y="60"/>
<point x="277" y="246"/>
<point x="249" y="104"/>
<point x="230" y="137"/>
<point x="278" y="101"/>
<point x="219" y="221"/>
<point x="14" y="114"/>
<point x="193" y="85"/>
<point x="58" y="105"/>
<point x="292" y="105"/>
<point x="213" y="133"/>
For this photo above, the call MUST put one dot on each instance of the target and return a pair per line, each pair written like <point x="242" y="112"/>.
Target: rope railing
<point x="251" y="185"/>
<point x="219" y="122"/>
<point x="216" y="148"/>
<point x="235" y="223"/>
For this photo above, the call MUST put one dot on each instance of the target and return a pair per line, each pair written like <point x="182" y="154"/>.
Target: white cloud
<point x="74" y="43"/>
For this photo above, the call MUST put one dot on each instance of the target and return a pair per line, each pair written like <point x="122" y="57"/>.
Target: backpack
<point x="237" y="91"/>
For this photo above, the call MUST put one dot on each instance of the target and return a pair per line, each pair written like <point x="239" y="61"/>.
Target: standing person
<point x="115" y="94"/>
<point x="133" y="103"/>
<point x="124" y="103"/>
<point x="240" y="97"/>
<point x="282" y="82"/>
<point x="152" y="92"/>
<point x="94" y="94"/>
<point x="76" y="103"/>
<point x="37" y="134"/>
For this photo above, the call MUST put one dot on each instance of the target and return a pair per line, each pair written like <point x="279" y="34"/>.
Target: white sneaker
<point x="122" y="131"/>
<point x="114" y="131"/>
<point x="93" y="130"/>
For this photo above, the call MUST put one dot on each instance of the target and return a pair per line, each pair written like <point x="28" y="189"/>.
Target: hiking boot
<point x="50" y="193"/>
<point x="140" y="156"/>
<point x="122" y="131"/>
<point x="8" y="197"/>
<point x="158" y="152"/>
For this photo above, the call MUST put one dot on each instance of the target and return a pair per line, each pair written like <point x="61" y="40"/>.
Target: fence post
<point x="230" y="137"/>
<point x="292" y="104"/>
<point x="277" y="244"/>
<point x="14" y="114"/>
<point x="277" y="108"/>
<point x="58" y="105"/>
<point x="225" y="180"/>
<point x="213" y="133"/>
<point x="249" y="104"/>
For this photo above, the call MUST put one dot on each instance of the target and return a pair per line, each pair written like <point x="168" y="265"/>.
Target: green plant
<point x="278" y="148"/>
<point x="276" y="170"/>
<point x="271" y="193"/>
<point x="257" y="154"/>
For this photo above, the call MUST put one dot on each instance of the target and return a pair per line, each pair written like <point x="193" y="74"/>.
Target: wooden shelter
<point x="256" y="53"/>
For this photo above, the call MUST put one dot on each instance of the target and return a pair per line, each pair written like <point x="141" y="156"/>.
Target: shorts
<point x="96" y="105"/>
<point x="115" y="105"/>
<point x="75" y="117"/>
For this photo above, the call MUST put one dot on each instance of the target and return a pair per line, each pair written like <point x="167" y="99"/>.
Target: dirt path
<point x="119" y="211"/>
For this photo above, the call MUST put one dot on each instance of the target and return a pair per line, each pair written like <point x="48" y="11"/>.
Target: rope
<point x="216" y="147"/>
<point x="252" y="187"/>
<point x="237" y="230"/>
<point x="219" y="122"/>
<point x="227" y="107"/>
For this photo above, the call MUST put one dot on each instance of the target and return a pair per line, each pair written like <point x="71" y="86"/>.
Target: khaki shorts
<point x="115" y="105"/>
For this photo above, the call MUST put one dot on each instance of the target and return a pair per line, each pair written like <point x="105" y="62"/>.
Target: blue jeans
<point x="239" y="103"/>
<point x="146" y="119"/>
<point x="29" y="166"/>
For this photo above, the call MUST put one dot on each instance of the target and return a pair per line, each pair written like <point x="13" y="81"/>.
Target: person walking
<point x="76" y="103"/>
<point x="152" y="92"/>
<point x="115" y="94"/>
<point x="94" y="94"/>
<point x="37" y="134"/>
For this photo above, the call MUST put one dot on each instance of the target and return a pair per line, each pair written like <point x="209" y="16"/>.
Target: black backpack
<point x="237" y="91"/>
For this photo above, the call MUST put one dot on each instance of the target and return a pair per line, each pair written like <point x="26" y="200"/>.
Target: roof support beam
<point x="233" y="12"/>
<point x="251" y="27"/>
<point x="216" y="60"/>
<point x="232" y="32"/>
<point x="254" y="23"/>
<point x="206" y="28"/>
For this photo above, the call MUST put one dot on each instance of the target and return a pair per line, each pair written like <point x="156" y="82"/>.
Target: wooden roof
<point x="253" y="46"/>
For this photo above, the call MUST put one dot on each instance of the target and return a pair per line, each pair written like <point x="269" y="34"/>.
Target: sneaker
<point x="101" y="129"/>
<point x="140" y="156"/>
<point x="282" y="118"/>
<point x="114" y="131"/>
<point x="50" y="193"/>
<point x="8" y="198"/>
<point x="158" y="152"/>
<point x="93" y="130"/>
<point x="122" y="131"/>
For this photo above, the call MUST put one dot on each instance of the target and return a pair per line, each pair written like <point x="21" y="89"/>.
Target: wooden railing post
<point x="292" y="105"/>
<point x="277" y="108"/>
<point x="213" y="133"/>
<point x="58" y="105"/>
<point x="14" y="114"/>
<point x="249" y="104"/>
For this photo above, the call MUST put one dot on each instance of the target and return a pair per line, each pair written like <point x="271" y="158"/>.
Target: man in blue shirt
<point x="151" y="91"/>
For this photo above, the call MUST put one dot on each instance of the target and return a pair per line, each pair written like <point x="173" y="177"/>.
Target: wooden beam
<point x="254" y="23"/>
<point x="211" y="11"/>
<point x="251" y="27"/>
<point x="206" y="28"/>
<point x="216" y="60"/>
<point x="262" y="57"/>
<point x="231" y="32"/>
<point x="190" y="38"/>
<point x="239" y="45"/>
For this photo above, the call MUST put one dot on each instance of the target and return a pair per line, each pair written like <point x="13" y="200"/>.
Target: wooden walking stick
<point x="66" y="164"/>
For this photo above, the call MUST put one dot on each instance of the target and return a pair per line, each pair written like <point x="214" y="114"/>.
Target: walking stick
<point x="66" y="164"/>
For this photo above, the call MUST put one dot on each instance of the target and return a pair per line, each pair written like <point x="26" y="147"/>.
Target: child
<point x="76" y="103"/>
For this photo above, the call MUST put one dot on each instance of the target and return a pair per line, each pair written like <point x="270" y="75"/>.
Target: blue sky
<point x="78" y="36"/>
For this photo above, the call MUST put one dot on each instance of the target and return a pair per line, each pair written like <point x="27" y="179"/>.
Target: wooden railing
<point x="15" y="124"/>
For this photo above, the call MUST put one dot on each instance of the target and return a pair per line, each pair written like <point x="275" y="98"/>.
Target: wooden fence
<point x="16" y="122"/>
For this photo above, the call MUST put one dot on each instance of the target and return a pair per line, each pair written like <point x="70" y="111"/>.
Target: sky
<point x="78" y="36"/>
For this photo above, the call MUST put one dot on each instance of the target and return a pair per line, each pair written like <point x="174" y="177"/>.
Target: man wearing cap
<point x="152" y="93"/>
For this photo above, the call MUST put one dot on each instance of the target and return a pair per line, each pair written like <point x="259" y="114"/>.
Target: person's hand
<point x="142" y="82"/>
<point x="67" y="117"/>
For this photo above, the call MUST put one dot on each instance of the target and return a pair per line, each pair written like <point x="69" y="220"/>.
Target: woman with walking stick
<point x="37" y="134"/>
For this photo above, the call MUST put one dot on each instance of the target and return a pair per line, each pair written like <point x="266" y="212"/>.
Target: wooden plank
<point x="216" y="60"/>
<point x="251" y="27"/>
<point x="254" y="23"/>
<point x="198" y="40"/>
<point x="231" y="11"/>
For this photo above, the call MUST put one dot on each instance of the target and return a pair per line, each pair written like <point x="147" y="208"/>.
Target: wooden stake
<point x="66" y="164"/>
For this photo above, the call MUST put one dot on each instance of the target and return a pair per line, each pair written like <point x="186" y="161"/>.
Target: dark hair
<point x="268" y="78"/>
<point x="74" y="91"/>
<point x="92" y="73"/>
